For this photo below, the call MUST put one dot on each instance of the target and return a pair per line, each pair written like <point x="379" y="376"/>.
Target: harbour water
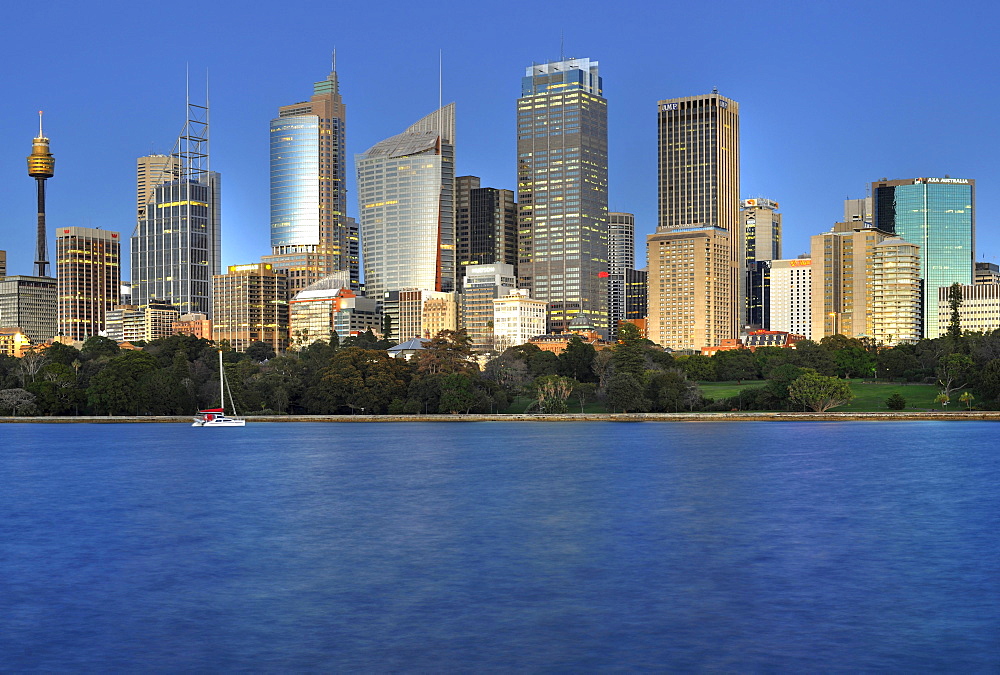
<point x="439" y="547"/>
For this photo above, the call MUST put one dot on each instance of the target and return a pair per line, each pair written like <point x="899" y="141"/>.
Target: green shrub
<point x="895" y="402"/>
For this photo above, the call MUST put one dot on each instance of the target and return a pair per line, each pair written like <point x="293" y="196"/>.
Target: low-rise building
<point x="516" y="319"/>
<point x="13" y="342"/>
<point x="196" y="324"/>
<point x="979" y="311"/>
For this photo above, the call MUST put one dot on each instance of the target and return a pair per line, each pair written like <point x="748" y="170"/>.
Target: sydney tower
<point x="41" y="165"/>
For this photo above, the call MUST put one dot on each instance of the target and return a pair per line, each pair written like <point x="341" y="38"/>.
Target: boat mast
<point x="222" y="386"/>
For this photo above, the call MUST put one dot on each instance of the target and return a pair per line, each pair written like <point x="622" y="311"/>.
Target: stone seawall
<point x="991" y="416"/>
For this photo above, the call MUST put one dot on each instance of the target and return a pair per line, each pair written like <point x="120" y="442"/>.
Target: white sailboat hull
<point x="219" y="422"/>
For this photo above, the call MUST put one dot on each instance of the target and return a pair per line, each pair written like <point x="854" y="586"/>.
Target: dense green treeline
<point x="178" y="375"/>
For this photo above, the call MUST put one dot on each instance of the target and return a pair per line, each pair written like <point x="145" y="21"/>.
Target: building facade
<point x="761" y="224"/>
<point x="195" y="325"/>
<point x="987" y="273"/>
<point x="896" y="300"/>
<point x="516" y="319"/>
<point x="562" y="179"/>
<point x="176" y="248"/>
<point x="324" y="310"/>
<point x="406" y="198"/>
<point x="485" y="225"/>
<point x="150" y="171"/>
<point x="979" y="311"/>
<point x="690" y="290"/>
<point x="252" y="306"/>
<point x="481" y="286"/>
<point x="842" y="280"/>
<point x="621" y="261"/>
<point x="789" y="293"/>
<point x="311" y="235"/>
<point x="703" y="132"/>
<point x="88" y="279"/>
<point x="938" y="215"/>
<point x="31" y="304"/>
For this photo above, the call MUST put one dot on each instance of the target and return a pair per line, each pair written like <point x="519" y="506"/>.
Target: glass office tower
<point x="311" y="235"/>
<point x="406" y="198"/>
<point x="938" y="215"/>
<point x="562" y="179"/>
<point x="176" y="246"/>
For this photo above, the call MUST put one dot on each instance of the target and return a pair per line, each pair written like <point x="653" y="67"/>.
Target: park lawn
<point x="868" y="396"/>
<point x="871" y="396"/>
<point x="720" y="390"/>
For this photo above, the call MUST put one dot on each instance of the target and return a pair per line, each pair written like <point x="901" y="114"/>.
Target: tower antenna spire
<point x="440" y="78"/>
<point x="562" y="45"/>
<point x="334" y="64"/>
<point x="40" y="134"/>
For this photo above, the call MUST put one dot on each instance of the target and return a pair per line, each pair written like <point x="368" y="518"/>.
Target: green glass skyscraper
<point x="938" y="215"/>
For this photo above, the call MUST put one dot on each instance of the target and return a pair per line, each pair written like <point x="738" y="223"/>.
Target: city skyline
<point x="808" y="168"/>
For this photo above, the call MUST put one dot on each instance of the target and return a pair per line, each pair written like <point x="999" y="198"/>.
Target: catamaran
<point x="216" y="417"/>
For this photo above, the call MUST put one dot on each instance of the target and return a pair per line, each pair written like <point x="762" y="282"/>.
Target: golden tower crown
<point x="41" y="163"/>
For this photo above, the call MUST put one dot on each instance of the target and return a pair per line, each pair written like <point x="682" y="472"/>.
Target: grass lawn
<point x="869" y="396"/>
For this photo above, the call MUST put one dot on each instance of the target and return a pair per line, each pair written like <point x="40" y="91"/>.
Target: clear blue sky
<point x="832" y="95"/>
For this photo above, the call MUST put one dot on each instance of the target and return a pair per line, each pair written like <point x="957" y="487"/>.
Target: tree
<point x="450" y="351"/>
<point x="629" y="353"/>
<point x="116" y="390"/>
<point x="809" y="354"/>
<point x="260" y="351"/>
<point x="670" y="391"/>
<point x="698" y="367"/>
<point x="988" y="381"/>
<point x="508" y="370"/>
<point x="735" y="364"/>
<point x="954" y="333"/>
<point x="602" y="367"/>
<point x="625" y="393"/>
<point x="584" y="391"/>
<point x="359" y="378"/>
<point x="854" y="362"/>
<point x="29" y="365"/>
<point x="967" y="398"/>
<point x="97" y="346"/>
<point x="951" y="370"/>
<point x="576" y="360"/>
<point x="17" y="401"/>
<point x="895" y="402"/>
<point x="551" y="392"/>
<point x="457" y="394"/>
<point x="820" y="392"/>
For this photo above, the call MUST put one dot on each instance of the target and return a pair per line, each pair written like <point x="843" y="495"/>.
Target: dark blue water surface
<point x="501" y="546"/>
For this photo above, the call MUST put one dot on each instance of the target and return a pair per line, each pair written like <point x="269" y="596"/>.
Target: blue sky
<point x="832" y="95"/>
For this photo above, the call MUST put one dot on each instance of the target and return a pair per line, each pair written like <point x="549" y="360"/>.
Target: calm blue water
<point x="501" y="546"/>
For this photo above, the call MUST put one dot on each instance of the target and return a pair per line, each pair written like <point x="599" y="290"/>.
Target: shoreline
<point x="902" y="416"/>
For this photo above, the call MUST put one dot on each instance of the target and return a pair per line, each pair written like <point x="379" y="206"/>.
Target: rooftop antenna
<point x="334" y="68"/>
<point x="440" y="77"/>
<point x="562" y="46"/>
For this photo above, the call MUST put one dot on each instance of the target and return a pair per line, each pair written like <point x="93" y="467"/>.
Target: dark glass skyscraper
<point x="562" y="179"/>
<point x="938" y="215"/>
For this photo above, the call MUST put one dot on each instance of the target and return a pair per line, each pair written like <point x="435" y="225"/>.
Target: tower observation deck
<point x="41" y="166"/>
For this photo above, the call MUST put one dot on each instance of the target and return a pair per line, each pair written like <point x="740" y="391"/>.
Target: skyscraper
<point x="562" y="179"/>
<point x="938" y="215"/>
<point x="176" y="246"/>
<point x="895" y="298"/>
<point x="699" y="186"/>
<point x="88" y="277"/>
<point x="311" y="235"/>
<point x="150" y="171"/>
<point x="621" y="260"/>
<point x="29" y="303"/>
<point x="762" y="228"/>
<point x="842" y="286"/>
<point x="485" y="225"/>
<point x="406" y="199"/>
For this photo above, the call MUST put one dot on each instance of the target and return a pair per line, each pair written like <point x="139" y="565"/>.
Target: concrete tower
<point x="41" y="166"/>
